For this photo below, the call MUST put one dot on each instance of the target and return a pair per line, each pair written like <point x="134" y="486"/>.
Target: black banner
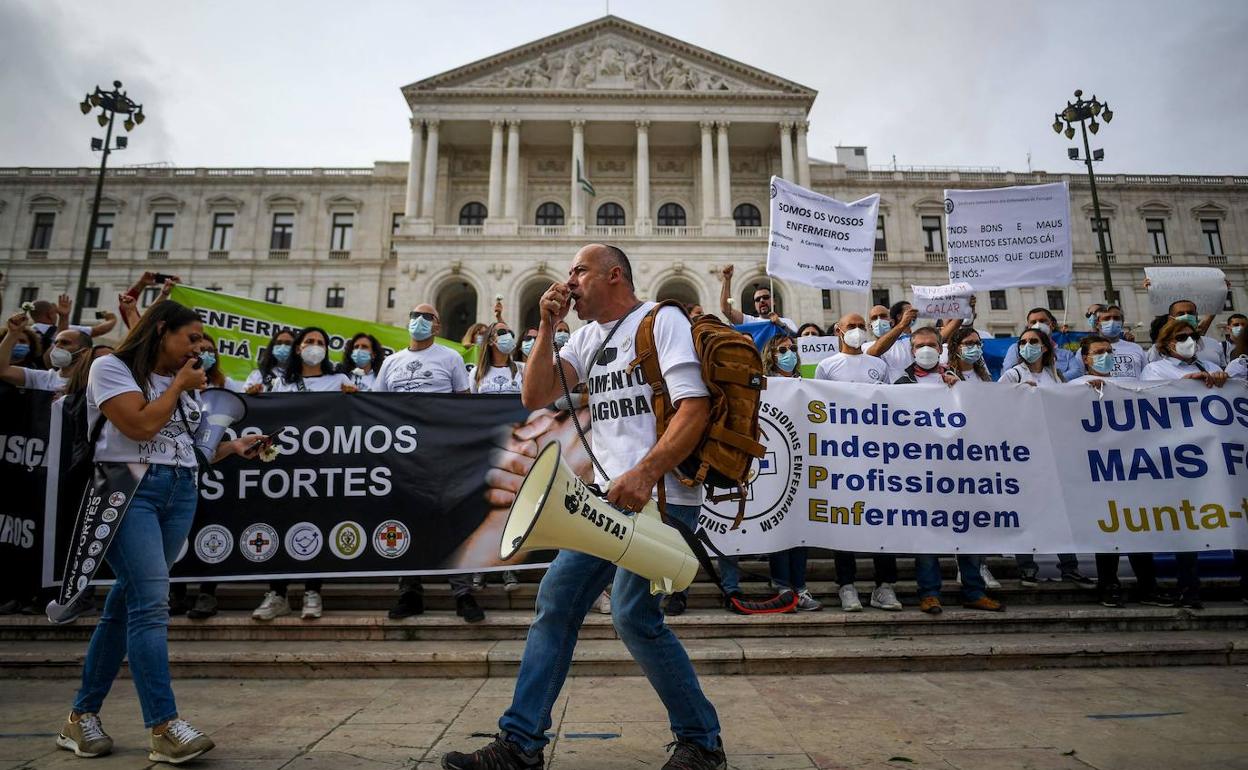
<point x="24" y="425"/>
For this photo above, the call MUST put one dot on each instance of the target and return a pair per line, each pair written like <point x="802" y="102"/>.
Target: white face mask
<point x="927" y="357"/>
<point x="855" y="338"/>
<point x="312" y="355"/>
<point x="60" y="357"/>
<point x="1186" y="348"/>
<point x="1042" y="326"/>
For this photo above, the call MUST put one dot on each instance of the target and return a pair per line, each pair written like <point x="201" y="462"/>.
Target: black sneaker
<point x="177" y="603"/>
<point x="10" y="607"/>
<point x="1029" y="578"/>
<point x="1113" y="596"/>
<point x="1078" y="578"/>
<point x="691" y="756"/>
<point x="1190" y="600"/>
<point x="467" y="608"/>
<point x="410" y="603"/>
<point x="205" y="607"/>
<point x="677" y="603"/>
<point x="500" y="754"/>
<point x="1157" y="598"/>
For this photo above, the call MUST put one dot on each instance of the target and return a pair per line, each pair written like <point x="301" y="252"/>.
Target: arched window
<point x="611" y="214"/>
<point x="671" y="215"/>
<point x="472" y="213"/>
<point x="549" y="213"/>
<point x="746" y="215"/>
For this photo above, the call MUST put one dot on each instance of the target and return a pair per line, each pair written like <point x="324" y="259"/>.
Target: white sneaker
<point x="849" y="598"/>
<point x="273" y="606"/>
<point x="311" y="605"/>
<point x="602" y="604"/>
<point x="806" y="602"/>
<point x="989" y="580"/>
<point x="885" y="598"/>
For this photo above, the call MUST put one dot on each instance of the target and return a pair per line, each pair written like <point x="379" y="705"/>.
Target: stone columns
<point x="725" y="180"/>
<point x="411" y="208"/>
<point x="512" y="206"/>
<point x="803" y="160"/>
<point x="786" y="151"/>
<point x="576" y="216"/>
<point x="431" y="172"/>
<point x="642" y="177"/>
<point x="494" y="208"/>
<point x="708" y="172"/>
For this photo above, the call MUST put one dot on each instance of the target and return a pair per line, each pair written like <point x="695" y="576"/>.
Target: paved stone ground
<point x="1044" y="720"/>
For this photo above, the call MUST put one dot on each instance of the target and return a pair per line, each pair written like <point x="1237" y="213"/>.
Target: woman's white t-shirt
<point x="861" y="367"/>
<point x="1020" y="373"/>
<point x="498" y="379"/>
<point x="363" y="382"/>
<point x="173" y="445"/>
<point x="1238" y="368"/>
<point x="1174" y="369"/>
<point x="43" y="379"/>
<point x="321" y="383"/>
<point x="257" y="378"/>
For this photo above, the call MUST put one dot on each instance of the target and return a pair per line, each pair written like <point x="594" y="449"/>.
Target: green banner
<point x="242" y="327"/>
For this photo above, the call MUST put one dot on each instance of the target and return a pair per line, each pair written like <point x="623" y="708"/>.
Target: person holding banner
<point x="1039" y="365"/>
<point x="1237" y="368"/>
<point x="762" y="305"/>
<point x="1235" y="326"/>
<point x="1065" y="361"/>
<point x="891" y="327"/>
<point x="308" y="370"/>
<point x="966" y="355"/>
<point x="1185" y="310"/>
<point x="1128" y="357"/>
<point x="361" y="358"/>
<point x="271" y="362"/>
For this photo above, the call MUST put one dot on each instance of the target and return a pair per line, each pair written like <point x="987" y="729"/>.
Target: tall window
<point x="933" y="238"/>
<point x="335" y="296"/>
<point x="41" y="233"/>
<point x="996" y="299"/>
<point x="1057" y="299"/>
<point x="396" y="221"/>
<point x="29" y="294"/>
<point x="1211" y="233"/>
<point x="671" y="215"/>
<point x="881" y="244"/>
<point x="390" y="298"/>
<point x="880" y="297"/>
<point x="1230" y="301"/>
<point x="340" y="233"/>
<point x="149" y="295"/>
<point x="826" y="296"/>
<point x="103" y="238"/>
<point x="273" y="294"/>
<point x="162" y="231"/>
<point x="1157" y="235"/>
<point x="1102" y="226"/>
<point x="222" y="232"/>
<point x="472" y="213"/>
<point x="91" y="297"/>
<point x="747" y="215"/>
<point x="549" y="214"/>
<point x="283" y="233"/>
<point x="611" y="215"/>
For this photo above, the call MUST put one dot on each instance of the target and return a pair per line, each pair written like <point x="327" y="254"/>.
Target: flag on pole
<point x="582" y="181"/>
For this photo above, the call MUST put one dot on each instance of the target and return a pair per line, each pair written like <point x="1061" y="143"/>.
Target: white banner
<point x="1009" y="236"/>
<point x="812" y="350"/>
<point x="1206" y="286"/>
<point x="819" y="241"/>
<point x="975" y="469"/>
<point x="953" y="300"/>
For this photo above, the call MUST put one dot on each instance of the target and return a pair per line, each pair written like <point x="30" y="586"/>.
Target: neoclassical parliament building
<point x="608" y="131"/>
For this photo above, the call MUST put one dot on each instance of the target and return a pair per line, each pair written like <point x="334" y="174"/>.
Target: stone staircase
<point x="1054" y="625"/>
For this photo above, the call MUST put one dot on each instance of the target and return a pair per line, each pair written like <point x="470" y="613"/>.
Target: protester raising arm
<point x="541" y="384"/>
<point x="731" y="314"/>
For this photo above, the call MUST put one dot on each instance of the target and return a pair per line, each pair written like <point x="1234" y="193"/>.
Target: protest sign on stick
<point x="1009" y="236"/>
<point x="820" y="241"/>
<point x="1206" y="286"/>
<point x="952" y="300"/>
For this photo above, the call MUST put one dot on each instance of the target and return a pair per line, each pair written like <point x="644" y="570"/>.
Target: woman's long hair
<point x="216" y="377"/>
<point x="1048" y="355"/>
<point x="140" y="350"/>
<point x="955" y="354"/>
<point x="470" y="337"/>
<point x="771" y="357"/>
<point x="266" y="363"/>
<point x="483" y="355"/>
<point x="33" y="359"/>
<point x="346" y="365"/>
<point x="294" y="365"/>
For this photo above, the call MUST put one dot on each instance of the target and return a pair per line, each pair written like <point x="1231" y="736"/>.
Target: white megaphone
<point x="221" y="409"/>
<point x="555" y="509"/>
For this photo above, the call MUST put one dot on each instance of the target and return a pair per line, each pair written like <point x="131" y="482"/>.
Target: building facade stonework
<point x="676" y="142"/>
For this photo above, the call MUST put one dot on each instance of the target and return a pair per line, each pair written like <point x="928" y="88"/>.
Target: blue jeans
<point x="788" y="568"/>
<point x="569" y="587"/>
<point x="927" y="573"/>
<point x="135" y="621"/>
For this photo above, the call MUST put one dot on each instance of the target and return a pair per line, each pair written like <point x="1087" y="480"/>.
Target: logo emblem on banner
<point x="774" y="479"/>
<point x="214" y="544"/>
<point x="303" y="541"/>
<point x="346" y="540"/>
<point x="109" y="515"/>
<point x="258" y="542"/>
<point x="391" y="538"/>
<point x="116" y="499"/>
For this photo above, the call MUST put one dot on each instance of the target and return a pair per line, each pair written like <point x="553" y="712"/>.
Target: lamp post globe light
<point x="1085" y="112"/>
<point x="110" y="104"/>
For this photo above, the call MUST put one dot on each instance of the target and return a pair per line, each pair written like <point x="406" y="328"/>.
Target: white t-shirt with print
<point x="436" y="369"/>
<point x="43" y="379"/>
<point x="257" y="378"/>
<point x="789" y="322"/>
<point x="1174" y="369"/>
<point x="1129" y="359"/>
<point x="1238" y="368"/>
<point x="1019" y="373"/>
<point x="364" y="382"/>
<point x="173" y="445"/>
<point x="498" y="379"/>
<point x="841" y="367"/>
<point x="620" y="402"/>
<point x="321" y="383"/>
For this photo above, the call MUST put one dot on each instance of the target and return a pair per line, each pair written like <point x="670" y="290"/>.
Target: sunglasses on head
<point x="418" y="314"/>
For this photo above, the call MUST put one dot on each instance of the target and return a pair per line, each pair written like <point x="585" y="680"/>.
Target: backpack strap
<point x="647" y="359"/>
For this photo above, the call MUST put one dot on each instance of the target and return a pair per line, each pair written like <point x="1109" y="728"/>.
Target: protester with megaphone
<point x="600" y="289"/>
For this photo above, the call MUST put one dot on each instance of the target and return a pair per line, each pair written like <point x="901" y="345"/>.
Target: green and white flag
<point x="583" y="182"/>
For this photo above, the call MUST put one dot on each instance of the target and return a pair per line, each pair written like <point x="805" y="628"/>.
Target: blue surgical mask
<point x="1235" y="331"/>
<point x="361" y="357"/>
<point x="20" y="351"/>
<point x="526" y="347"/>
<point x="1103" y="363"/>
<point x="420" y="328"/>
<point x="972" y="353"/>
<point x="208" y="359"/>
<point x="880" y="327"/>
<point x="505" y="342"/>
<point x="787" y="361"/>
<point x="1188" y="318"/>
<point x="1092" y="322"/>
<point x="1111" y="328"/>
<point x="561" y="338"/>
<point x="280" y="352"/>
<point x="1030" y="352"/>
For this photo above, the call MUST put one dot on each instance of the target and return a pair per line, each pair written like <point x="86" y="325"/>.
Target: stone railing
<point x="458" y="230"/>
<point x="339" y="254"/>
<point x="880" y="256"/>
<point x="158" y="255"/>
<point x="218" y="255"/>
<point x="279" y="254"/>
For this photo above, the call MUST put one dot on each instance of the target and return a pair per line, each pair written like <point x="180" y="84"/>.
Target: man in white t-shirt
<point x="600" y="289"/>
<point x="762" y="305"/>
<point x="67" y="348"/>
<point x="1129" y="358"/>
<point x="891" y="327"/>
<point x="46" y="316"/>
<point x="851" y="364"/>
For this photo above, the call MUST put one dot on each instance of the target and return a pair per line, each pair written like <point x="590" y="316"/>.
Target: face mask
<point x="927" y="357"/>
<point x="1103" y="363"/>
<point x="526" y="347"/>
<point x="312" y="355"/>
<point x="60" y="358"/>
<point x="880" y="327"/>
<point x="1187" y="318"/>
<point x="1030" y="352"/>
<point x="1186" y="348"/>
<point x="561" y="338"/>
<point x="1235" y="332"/>
<point x="420" y="328"/>
<point x="854" y="338"/>
<point x="1092" y="322"/>
<point x="362" y="357"/>
<point x="787" y="361"/>
<point x="972" y="353"/>
<point x="1111" y="328"/>
<point x="20" y="351"/>
<point x="280" y="352"/>
<point x="478" y="340"/>
<point x="1041" y="326"/>
<point x="207" y="358"/>
<point x="505" y="343"/>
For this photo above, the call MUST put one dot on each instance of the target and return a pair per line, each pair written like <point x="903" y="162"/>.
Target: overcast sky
<point x="313" y="83"/>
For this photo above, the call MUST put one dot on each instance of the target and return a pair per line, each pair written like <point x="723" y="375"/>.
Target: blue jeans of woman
<point x="788" y="568"/>
<point x="569" y="587"/>
<point x="927" y="574"/>
<point x="135" y="621"/>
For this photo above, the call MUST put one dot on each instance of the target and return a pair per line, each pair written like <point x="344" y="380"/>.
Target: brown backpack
<point x="735" y="378"/>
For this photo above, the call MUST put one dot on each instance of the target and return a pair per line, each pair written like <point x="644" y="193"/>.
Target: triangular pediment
<point x="610" y="56"/>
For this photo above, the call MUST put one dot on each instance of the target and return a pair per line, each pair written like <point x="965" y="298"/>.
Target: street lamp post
<point x="1085" y="113"/>
<point x="110" y="103"/>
